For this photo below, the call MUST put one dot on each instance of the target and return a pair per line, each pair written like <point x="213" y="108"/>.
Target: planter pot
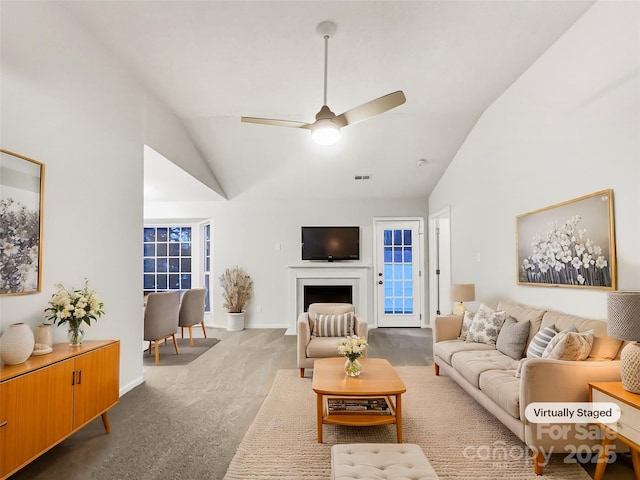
<point x="16" y="344"/>
<point x="235" y="322"/>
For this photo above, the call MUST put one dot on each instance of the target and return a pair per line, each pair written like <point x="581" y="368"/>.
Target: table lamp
<point x="462" y="292"/>
<point x="623" y="312"/>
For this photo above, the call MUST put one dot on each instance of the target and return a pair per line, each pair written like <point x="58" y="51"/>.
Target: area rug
<point x="459" y="437"/>
<point x="187" y="354"/>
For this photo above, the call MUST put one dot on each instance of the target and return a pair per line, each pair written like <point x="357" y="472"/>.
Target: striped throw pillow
<point x="540" y="341"/>
<point x="338" y="325"/>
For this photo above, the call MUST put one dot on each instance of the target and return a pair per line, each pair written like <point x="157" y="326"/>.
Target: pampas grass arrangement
<point x="237" y="288"/>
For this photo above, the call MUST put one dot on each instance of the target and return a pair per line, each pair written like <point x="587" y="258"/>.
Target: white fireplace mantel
<point x="329" y="273"/>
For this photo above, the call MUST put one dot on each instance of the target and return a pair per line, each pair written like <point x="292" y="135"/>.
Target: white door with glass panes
<point x="397" y="273"/>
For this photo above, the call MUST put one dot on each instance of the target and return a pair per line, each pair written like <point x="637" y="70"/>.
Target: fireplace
<point x="338" y="282"/>
<point x="327" y="294"/>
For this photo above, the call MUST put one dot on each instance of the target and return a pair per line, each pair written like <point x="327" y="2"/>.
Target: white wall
<point x="568" y="127"/>
<point x="247" y="234"/>
<point x="69" y="105"/>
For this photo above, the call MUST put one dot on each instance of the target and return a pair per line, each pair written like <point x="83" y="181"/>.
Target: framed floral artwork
<point x="21" y="185"/>
<point x="571" y="244"/>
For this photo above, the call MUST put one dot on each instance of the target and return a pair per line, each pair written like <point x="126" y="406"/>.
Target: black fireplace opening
<point x="327" y="294"/>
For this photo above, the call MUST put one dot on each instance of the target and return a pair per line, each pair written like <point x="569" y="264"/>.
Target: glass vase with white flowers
<point x="75" y="307"/>
<point x="353" y="347"/>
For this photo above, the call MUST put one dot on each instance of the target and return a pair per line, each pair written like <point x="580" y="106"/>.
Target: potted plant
<point x="237" y="287"/>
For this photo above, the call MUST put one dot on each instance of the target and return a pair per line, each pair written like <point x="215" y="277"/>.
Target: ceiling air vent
<point x="362" y="177"/>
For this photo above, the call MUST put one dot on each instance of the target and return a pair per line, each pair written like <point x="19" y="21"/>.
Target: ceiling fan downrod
<point x="326" y="29"/>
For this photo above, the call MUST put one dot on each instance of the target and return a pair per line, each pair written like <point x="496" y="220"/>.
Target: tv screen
<point x="330" y="243"/>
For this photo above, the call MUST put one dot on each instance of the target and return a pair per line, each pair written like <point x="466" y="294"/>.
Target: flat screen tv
<point x="330" y="243"/>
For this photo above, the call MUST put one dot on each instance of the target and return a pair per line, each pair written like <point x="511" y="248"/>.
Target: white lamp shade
<point x="623" y="315"/>
<point x="463" y="292"/>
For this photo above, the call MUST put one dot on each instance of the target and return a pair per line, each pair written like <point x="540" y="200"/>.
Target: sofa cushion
<point x="336" y="325"/>
<point x="472" y="364"/>
<point x="572" y="346"/>
<point x="486" y="326"/>
<point x="512" y="338"/>
<point x="447" y="348"/>
<point x="522" y="313"/>
<point x="323" y="347"/>
<point x="502" y="387"/>
<point x="604" y="347"/>
<point x="540" y="341"/>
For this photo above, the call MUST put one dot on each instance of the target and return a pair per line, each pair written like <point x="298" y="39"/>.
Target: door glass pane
<point x="398" y="272"/>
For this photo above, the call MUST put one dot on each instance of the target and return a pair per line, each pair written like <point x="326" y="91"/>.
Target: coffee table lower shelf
<point x="362" y="419"/>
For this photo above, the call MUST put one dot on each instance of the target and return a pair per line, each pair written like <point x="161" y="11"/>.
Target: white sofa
<point x="490" y="376"/>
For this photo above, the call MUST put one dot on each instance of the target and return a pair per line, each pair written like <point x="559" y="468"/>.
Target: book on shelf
<point x="354" y="406"/>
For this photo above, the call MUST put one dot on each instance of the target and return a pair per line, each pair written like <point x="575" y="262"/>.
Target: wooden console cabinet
<point x="49" y="397"/>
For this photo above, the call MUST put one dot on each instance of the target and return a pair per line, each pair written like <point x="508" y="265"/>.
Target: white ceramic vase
<point x="44" y="335"/>
<point x="16" y="344"/>
<point x="235" y="322"/>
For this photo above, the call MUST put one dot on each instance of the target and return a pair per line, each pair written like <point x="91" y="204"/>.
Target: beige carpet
<point x="460" y="438"/>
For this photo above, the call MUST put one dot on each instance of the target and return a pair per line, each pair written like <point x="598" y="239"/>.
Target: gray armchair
<point x="161" y="319"/>
<point x="192" y="311"/>
<point x="312" y="346"/>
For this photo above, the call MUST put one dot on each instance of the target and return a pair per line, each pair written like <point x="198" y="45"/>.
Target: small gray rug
<point x="459" y="437"/>
<point x="187" y="354"/>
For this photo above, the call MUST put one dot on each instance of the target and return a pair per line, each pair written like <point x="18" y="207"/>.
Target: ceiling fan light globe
<point x="325" y="133"/>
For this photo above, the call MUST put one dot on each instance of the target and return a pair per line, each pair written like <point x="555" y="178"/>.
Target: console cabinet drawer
<point x="629" y="423"/>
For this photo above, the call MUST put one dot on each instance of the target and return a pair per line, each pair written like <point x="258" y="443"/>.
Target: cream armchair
<point x="318" y="344"/>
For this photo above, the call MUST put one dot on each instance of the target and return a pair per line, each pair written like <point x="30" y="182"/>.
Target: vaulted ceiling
<point x="212" y="62"/>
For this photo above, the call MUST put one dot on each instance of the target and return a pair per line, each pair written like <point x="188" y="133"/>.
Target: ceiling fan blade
<point x="276" y="123"/>
<point x="371" y="109"/>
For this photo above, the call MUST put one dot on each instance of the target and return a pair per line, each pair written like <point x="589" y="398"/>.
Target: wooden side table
<point x="626" y="429"/>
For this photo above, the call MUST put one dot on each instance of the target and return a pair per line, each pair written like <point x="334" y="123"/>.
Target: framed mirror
<point x="21" y="187"/>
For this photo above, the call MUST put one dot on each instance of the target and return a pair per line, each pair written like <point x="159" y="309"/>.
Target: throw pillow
<point x="466" y="323"/>
<point x="486" y="326"/>
<point x="555" y="340"/>
<point x="512" y="338"/>
<point x="540" y="341"/>
<point x="338" y="325"/>
<point x="574" y="346"/>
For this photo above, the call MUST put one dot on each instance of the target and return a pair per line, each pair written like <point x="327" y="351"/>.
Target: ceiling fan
<point x="326" y="129"/>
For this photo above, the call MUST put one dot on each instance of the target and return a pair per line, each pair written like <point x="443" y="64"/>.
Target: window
<point x="167" y="259"/>
<point x="206" y="255"/>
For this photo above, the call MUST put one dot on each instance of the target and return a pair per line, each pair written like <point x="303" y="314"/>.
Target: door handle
<point x="379" y="282"/>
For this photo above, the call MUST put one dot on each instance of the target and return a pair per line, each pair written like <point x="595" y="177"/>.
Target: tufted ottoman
<point x="380" y="461"/>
